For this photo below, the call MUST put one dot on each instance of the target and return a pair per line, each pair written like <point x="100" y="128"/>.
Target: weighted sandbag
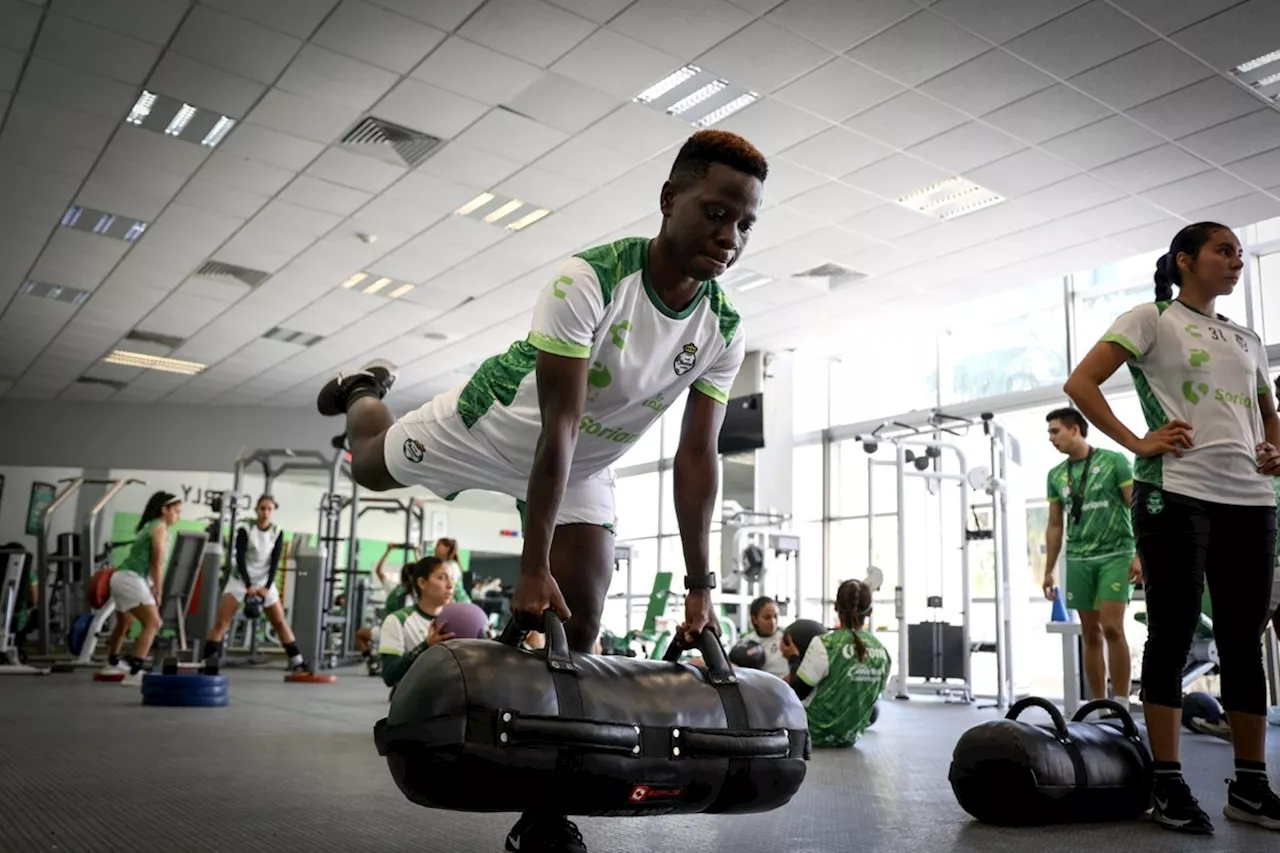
<point x="479" y="725"/>
<point x="1012" y="773"/>
<point x="185" y="690"/>
<point x="100" y="588"/>
<point x="748" y="655"/>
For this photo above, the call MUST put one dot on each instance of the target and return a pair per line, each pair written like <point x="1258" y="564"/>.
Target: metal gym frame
<point x="413" y="510"/>
<point x="1003" y="450"/>
<point x="75" y="567"/>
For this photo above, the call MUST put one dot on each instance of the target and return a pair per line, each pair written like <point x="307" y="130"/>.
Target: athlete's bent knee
<point x="369" y="465"/>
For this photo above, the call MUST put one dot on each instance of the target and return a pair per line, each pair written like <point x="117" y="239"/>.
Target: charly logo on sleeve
<point x="686" y="359"/>
<point x="414" y="450"/>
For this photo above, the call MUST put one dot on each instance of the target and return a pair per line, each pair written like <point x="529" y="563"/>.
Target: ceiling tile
<point x="283" y="216"/>
<point x="399" y="213"/>
<point x="906" y="120"/>
<point x="427" y="109"/>
<point x="156" y="150"/>
<point x="771" y="125"/>
<point x="531" y="30"/>
<point x="831" y="242"/>
<point x="1260" y="169"/>
<point x="833" y="202"/>
<point x="1140" y="76"/>
<point x="234" y="44"/>
<point x="986" y="83"/>
<point x="838" y="24"/>
<point x="1239" y="212"/>
<point x="1048" y="114"/>
<point x="1001" y="20"/>
<point x="758" y="7"/>
<point x="543" y="188"/>
<point x="186" y="230"/>
<point x="562" y="103"/>
<point x="683" y="27"/>
<point x="838" y="90"/>
<point x="1195" y="108"/>
<point x="331" y="312"/>
<point x="441" y="14"/>
<point x="322" y="195"/>
<point x="896" y="176"/>
<point x="337" y="79"/>
<point x="921" y="47"/>
<point x="182" y="315"/>
<point x="888" y="222"/>
<point x="471" y="166"/>
<point x="430" y="192"/>
<point x="1070" y="196"/>
<point x="616" y="64"/>
<point x="1235" y="35"/>
<point x="1153" y="168"/>
<point x="233" y="170"/>
<point x="271" y="147"/>
<point x="10" y="68"/>
<point x="1197" y="191"/>
<point x="642" y="132"/>
<point x="77" y="90"/>
<point x="786" y="180"/>
<point x="837" y="151"/>
<point x="1168" y="16"/>
<point x="18" y="22"/>
<point x="1102" y="142"/>
<point x="221" y="290"/>
<point x="296" y="17"/>
<point x="1081" y="39"/>
<point x="586" y="161"/>
<point x="600" y="11"/>
<point x="476" y="72"/>
<point x="259" y="247"/>
<point x="73" y="127"/>
<point x="507" y="134"/>
<point x="220" y="197"/>
<point x="1236" y="139"/>
<point x="387" y="237"/>
<point x="75" y="259"/>
<point x="93" y="49"/>
<point x="967" y="147"/>
<point x="1022" y="173"/>
<point x="20" y="145"/>
<point x="310" y="119"/>
<point x="372" y="34"/>
<point x="762" y="57"/>
<point x="352" y="170"/>
<point x="203" y="85"/>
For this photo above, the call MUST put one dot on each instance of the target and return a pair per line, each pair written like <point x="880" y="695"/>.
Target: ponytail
<point x="155" y="505"/>
<point x="853" y="604"/>
<point x="1189" y="241"/>
<point x="450" y="549"/>
<point x="1165" y="281"/>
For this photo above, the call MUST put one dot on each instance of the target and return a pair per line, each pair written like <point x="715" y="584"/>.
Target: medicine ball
<point x="464" y="620"/>
<point x="1204" y="707"/>
<point x="802" y="632"/>
<point x="252" y="606"/>
<point x="748" y="655"/>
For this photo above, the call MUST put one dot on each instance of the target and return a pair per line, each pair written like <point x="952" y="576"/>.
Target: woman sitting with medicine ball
<point x="842" y="673"/>
<point x="399" y="594"/>
<point x="412" y="630"/>
<point x="764" y="632"/>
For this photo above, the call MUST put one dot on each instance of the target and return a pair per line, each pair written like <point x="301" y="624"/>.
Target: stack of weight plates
<point x="187" y="689"/>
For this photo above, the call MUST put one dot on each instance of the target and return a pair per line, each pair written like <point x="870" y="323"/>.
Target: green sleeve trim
<point x="1124" y="342"/>
<point x="1128" y="482"/>
<point x="804" y="680"/>
<point x="555" y="346"/>
<point x="711" y="391"/>
<point x="1055" y="500"/>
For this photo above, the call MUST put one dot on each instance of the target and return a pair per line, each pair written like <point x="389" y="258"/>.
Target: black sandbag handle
<point x="1130" y="728"/>
<point x="1060" y="731"/>
<point x="718" y="669"/>
<point x="557" y="649"/>
<point x="616" y="738"/>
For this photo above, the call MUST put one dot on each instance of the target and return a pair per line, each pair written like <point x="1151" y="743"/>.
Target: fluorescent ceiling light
<point x="666" y="84"/>
<point x="950" y="198"/>
<point x="135" y="231"/>
<point x="1268" y="80"/>
<point x="528" y="219"/>
<point x="56" y="292"/>
<point x="141" y="108"/>
<point x="688" y="102"/>
<point x="355" y="279"/>
<point x="154" y="362"/>
<point x="377" y="285"/>
<point x="180" y="120"/>
<point x="1266" y="59"/>
<point x="219" y="130"/>
<point x="475" y="204"/>
<point x="400" y="291"/>
<point x="722" y="113"/>
<point x="72" y="216"/>
<point x="104" y="222"/>
<point x="514" y="204"/>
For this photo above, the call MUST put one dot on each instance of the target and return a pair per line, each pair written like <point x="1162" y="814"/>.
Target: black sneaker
<point x="1218" y="729"/>
<point x="1261" y="807"/>
<point x="545" y="834"/>
<point x="376" y="376"/>
<point x="1175" y="807"/>
<point x="301" y="667"/>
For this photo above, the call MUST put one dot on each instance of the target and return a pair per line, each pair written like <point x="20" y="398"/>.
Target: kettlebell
<point x="252" y="606"/>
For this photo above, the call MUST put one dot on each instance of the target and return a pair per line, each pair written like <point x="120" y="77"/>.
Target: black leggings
<point x="1182" y="541"/>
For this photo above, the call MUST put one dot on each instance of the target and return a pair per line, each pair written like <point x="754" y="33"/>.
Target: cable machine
<point x="750" y="541"/>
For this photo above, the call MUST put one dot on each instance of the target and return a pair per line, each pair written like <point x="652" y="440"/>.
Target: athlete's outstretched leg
<point x="359" y="397"/>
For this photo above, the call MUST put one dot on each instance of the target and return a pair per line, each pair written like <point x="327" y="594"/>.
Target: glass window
<point x="671" y="422"/>
<point x="811" y="592"/>
<point x="636" y="501"/>
<point x="644" y="568"/>
<point x="647" y="449"/>
<point x="988" y="356"/>
<point x="867" y="385"/>
<point x="1268" y="284"/>
<point x="849" y="464"/>
<point x="806" y="482"/>
<point x="811" y="395"/>
<point x="672" y="550"/>
<point x="1268" y="230"/>
<point x="669" y="521"/>
<point x="1096" y="312"/>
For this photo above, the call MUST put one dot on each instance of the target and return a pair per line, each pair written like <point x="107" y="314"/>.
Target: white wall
<point x="16" y="496"/>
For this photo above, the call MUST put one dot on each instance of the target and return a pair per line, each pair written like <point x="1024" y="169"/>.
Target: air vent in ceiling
<point x="289" y="336"/>
<point x="54" y="291"/>
<point x="374" y="135"/>
<point x="834" y="275"/>
<point x="170" y="341"/>
<point x="218" y="269"/>
<point x="110" y="383"/>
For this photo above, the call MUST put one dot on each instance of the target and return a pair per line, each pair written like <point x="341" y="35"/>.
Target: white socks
<point x="1122" y="701"/>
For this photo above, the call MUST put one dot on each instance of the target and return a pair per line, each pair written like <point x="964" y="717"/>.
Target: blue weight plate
<point x="183" y="680"/>
<point x="160" y="692"/>
<point x="186" y="701"/>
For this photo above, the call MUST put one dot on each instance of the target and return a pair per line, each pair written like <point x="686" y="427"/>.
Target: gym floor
<point x="84" y="767"/>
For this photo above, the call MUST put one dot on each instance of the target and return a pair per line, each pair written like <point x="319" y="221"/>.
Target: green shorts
<point x="1101" y="579"/>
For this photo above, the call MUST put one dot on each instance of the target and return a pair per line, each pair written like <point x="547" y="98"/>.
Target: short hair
<point x="1069" y="417"/>
<point x="716" y="146"/>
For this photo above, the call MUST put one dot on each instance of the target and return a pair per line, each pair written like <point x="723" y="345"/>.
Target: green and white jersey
<point x="403" y="631"/>
<point x="601" y="306"/>
<point x="845" y="688"/>
<point x="1105" y="528"/>
<point x="775" y="663"/>
<point x="138" y="560"/>
<point x="1209" y="372"/>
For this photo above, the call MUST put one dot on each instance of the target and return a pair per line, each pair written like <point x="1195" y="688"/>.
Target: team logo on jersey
<point x="656" y="403"/>
<point x="598" y="376"/>
<point x="1155" y="503"/>
<point x="1242" y="343"/>
<point x="686" y="359"/>
<point x="1066" y="492"/>
<point x="414" y="450"/>
<point x="1198" y="358"/>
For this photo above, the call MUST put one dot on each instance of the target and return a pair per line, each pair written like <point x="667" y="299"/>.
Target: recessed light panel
<point x="697" y="96"/>
<point x="511" y="213"/>
<point x="178" y="119"/>
<point x="376" y="285"/>
<point x="950" y="198"/>
<point x="154" y="362"/>
<point x="103" y="224"/>
<point x="56" y="292"/>
<point x="289" y="336"/>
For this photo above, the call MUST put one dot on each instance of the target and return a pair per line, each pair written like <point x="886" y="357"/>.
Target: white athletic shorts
<point x="235" y="588"/>
<point x="129" y="590"/>
<point x="431" y="447"/>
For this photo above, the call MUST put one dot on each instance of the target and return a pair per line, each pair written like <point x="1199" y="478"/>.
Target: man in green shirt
<point x="1089" y="496"/>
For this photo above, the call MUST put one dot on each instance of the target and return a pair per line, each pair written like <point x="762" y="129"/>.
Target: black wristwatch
<point x="708" y="582"/>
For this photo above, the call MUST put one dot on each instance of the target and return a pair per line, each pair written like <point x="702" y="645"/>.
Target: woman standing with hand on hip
<point x="1203" y="505"/>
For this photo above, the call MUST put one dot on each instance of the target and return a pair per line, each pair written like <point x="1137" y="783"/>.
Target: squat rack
<point x="413" y="511"/>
